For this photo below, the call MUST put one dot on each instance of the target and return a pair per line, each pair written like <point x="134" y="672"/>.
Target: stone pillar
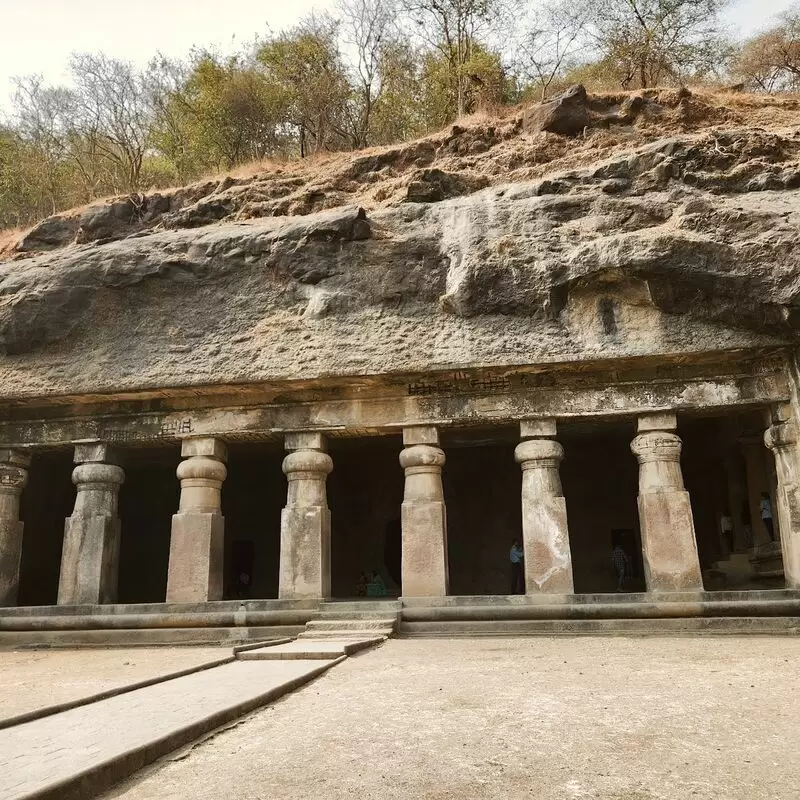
<point x="13" y="479"/>
<point x="90" y="557"/>
<point x="197" y="540"/>
<point x="545" y="536"/>
<point x="305" y="570"/>
<point x="669" y="547"/>
<point x="424" y="520"/>
<point x="783" y="439"/>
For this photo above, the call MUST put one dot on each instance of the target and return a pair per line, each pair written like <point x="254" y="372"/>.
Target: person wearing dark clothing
<point x="517" y="558"/>
<point x="621" y="564"/>
<point x="766" y="515"/>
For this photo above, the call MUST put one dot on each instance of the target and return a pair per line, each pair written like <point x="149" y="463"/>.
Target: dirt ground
<point x="575" y="718"/>
<point x="31" y="679"/>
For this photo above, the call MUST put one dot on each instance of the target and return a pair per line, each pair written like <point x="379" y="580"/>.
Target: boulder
<point x="50" y="233"/>
<point x="567" y="114"/>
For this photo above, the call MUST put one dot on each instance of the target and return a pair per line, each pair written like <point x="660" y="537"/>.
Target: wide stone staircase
<point x="354" y="619"/>
<point x="760" y="567"/>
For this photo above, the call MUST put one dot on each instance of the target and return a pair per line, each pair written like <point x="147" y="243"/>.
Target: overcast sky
<point x="39" y="35"/>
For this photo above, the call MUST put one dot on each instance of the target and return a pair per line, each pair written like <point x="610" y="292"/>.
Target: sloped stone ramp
<point x="79" y="752"/>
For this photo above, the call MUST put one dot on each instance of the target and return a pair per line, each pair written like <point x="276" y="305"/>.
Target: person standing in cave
<point x="517" y="558"/>
<point x="766" y="515"/>
<point x="622" y="566"/>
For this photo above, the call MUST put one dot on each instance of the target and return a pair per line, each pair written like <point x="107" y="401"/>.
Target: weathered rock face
<point x="685" y="244"/>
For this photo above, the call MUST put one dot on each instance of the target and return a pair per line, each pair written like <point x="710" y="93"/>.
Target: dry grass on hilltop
<point x="477" y="151"/>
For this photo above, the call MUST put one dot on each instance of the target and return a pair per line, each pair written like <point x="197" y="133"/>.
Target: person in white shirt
<point x="726" y="528"/>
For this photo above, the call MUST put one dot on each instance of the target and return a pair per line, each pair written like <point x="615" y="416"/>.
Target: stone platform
<point x="233" y="622"/>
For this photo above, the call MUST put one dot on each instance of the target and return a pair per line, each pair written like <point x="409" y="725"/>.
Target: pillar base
<point x="196" y="557"/>
<point x="424" y="559"/>
<point x="89" y="563"/>
<point x="305" y="571"/>
<point x="669" y="550"/>
<point x="10" y="555"/>
<point x="548" y="561"/>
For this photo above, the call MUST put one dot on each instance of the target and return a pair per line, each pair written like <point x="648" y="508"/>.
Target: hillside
<point x="488" y="244"/>
<point x="524" y="146"/>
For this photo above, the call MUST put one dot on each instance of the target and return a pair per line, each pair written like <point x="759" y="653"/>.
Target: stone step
<point x="361" y="606"/>
<point x="310" y="649"/>
<point x="738" y="562"/>
<point x="384" y="633"/>
<point x="357" y="614"/>
<point x="604" y="627"/>
<point x="363" y="624"/>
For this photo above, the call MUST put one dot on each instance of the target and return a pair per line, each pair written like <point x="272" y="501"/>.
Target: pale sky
<point x="38" y="35"/>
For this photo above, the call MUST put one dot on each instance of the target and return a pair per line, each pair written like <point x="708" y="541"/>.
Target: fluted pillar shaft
<point x="545" y="534"/>
<point x="197" y="539"/>
<point x="90" y="556"/>
<point x="13" y="479"/>
<point x="305" y="569"/>
<point x="423" y="515"/>
<point x="784" y="441"/>
<point x="669" y="547"/>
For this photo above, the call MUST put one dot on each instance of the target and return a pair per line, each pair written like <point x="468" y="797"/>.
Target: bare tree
<point x="42" y="114"/>
<point x="770" y="61"/>
<point x="368" y="28"/>
<point x="652" y="40"/>
<point x="111" y="104"/>
<point x="554" y="35"/>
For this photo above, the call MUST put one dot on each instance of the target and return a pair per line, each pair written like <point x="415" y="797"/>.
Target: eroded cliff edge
<point x="639" y="244"/>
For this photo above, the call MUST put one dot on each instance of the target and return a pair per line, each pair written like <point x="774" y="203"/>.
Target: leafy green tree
<point x="305" y="68"/>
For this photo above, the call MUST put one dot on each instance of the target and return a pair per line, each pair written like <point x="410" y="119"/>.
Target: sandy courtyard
<point x="611" y="718"/>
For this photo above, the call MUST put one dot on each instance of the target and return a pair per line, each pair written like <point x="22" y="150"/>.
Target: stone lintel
<point x="305" y="440"/>
<point x="94" y="452"/>
<point x="15" y="457"/>
<point x="420" y="434"/>
<point x="204" y="446"/>
<point x="392" y="413"/>
<point x="544" y="428"/>
<point x="661" y="421"/>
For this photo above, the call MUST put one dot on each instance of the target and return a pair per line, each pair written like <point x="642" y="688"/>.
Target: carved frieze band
<point x="350" y="416"/>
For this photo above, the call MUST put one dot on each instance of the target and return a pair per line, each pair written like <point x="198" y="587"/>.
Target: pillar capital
<point x="655" y="446"/>
<point x="538" y="453"/>
<point x="104" y="475"/>
<point x="422" y="457"/>
<point x="14" y="470"/>
<point x="307" y="465"/>
<point x="781" y="436"/>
